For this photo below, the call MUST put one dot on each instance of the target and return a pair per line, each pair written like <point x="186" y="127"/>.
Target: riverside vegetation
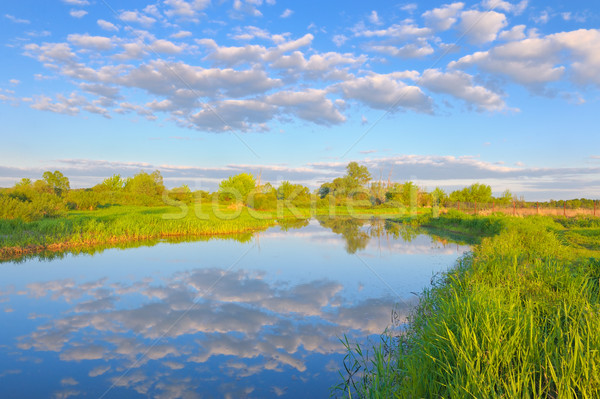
<point x="519" y="316"/>
<point x="47" y="214"/>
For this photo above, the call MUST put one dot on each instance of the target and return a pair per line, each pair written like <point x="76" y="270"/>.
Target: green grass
<point x="517" y="317"/>
<point x="117" y="224"/>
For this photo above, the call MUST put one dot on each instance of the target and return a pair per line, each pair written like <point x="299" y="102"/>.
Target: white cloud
<point x="77" y="2"/>
<point x="16" y="20"/>
<point x="310" y="105"/>
<point x="481" y="27"/>
<point x="185" y="9"/>
<point x="444" y="17"/>
<point x="411" y="50"/>
<point x="460" y="85"/>
<point x="136" y="17"/>
<point x="92" y="42"/>
<point x="181" y="34"/>
<point x="405" y="30"/>
<point x="14" y="81"/>
<point x="109" y="26"/>
<point x="287" y="13"/>
<point x="253" y="32"/>
<point x="339" y="40"/>
<point x="78" y="13"/>
<point x="131" y="51"/>
<point x="543" y="18"/>
<point x="517" y="32"/>
<point x="533" y="62"/>
<point x="502" y="5"/>
<point x="584" y="48"/>
<point x="374" y="18"/>
<point x="166" y="47"/>
<point x="384" y="92"/>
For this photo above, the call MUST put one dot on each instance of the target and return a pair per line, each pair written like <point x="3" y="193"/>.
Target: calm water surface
<point x="219" y="318"/>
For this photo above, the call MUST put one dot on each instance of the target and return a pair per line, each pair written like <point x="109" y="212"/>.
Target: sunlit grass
<point x="517" y="317"/>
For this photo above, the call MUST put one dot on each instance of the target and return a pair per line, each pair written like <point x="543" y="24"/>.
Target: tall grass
<point x="116" y="224"/>
<point x="517" y="317"/>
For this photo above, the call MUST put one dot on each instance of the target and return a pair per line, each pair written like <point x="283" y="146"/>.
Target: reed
<point x="519" y="316"/>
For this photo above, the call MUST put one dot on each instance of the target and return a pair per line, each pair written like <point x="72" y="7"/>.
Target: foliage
<point x="237" y="187"/>
<point x="476" y="192"/>
<point x="518" y="317"/>
<point x="56" y="181"/>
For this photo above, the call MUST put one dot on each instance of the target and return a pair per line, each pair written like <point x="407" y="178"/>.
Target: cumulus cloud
<point x="136" y="17"/>
<point x="78" y="13"/>
<point x="287" y="13"/>
<point x="516" y="8"/>
<point x="411" y="50"/>
<point x="100" y="43"/>
<point x="77" y="2"/>
<point x="310" y="105"/>
<point x="481" y="27"/>
<point x="385" y="92"/>
<point x="460" y="85"/>
<point x="517" y="32"/>
<point x="444" y="17"/>
<point x="166" y="47"/>
<point x="109" y="26"/>
<point x="185" y="9"/>
<point x="535" y="62"/>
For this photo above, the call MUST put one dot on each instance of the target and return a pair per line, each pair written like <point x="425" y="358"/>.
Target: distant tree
<point x="57" y="182"/>
<point x="182" y="193"/>
<point x="288" y="190"/>
<point x="23" y="183"/>
<point x="476" y="192"/>
<point x="242" y="183"/>
<point x="410" y="193"/>
<point x="506" y="197"/>
<point x="357" y="175"/>
<point x="113" y="183"/>
<point x="439" y="196"/>
<point x="149" y="184"/>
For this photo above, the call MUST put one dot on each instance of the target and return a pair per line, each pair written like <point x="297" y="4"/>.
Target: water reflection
<point x="257" y="330"/>
<point x="357" y="233"/>
<point x="98" y="249"/>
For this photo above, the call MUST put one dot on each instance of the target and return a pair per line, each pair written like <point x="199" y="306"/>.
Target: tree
<point x="149" y="184"/>
<point x="506" y="197"/>
<point x="357" y="175"/>
<point x="439" y="196"/>
<point x="113" y="183"/>
<point x="241" y="184"/>
<point x="56" y="181"/>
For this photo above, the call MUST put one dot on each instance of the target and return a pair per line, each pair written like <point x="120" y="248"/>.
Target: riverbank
<point x="517" y="317"/>
<point x="116" y="225"/>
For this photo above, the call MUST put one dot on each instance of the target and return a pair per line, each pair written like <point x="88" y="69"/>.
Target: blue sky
<point x="444" y="94"/>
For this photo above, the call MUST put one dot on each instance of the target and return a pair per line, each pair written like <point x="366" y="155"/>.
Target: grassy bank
<point x="517" y="317"/>
<point x="120" y="224"/>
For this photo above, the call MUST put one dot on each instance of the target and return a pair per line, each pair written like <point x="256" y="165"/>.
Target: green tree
<point x="357" y="175"/>
<point x="241" y="184"/>
<point x="439" y="196"/>
<point x="57" y="182"/>
<point x="113" y="183"/>
<point x="506" y="197"/>
<point x="148" y="184"/>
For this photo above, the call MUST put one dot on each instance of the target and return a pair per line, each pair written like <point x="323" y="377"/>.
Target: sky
<point x="441" y="93"/>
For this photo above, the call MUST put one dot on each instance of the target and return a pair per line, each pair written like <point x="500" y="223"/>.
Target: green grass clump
<point x="517" y="317"/>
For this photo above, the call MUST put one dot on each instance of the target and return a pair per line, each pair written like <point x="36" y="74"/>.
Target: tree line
<point x="52" y="196"/>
